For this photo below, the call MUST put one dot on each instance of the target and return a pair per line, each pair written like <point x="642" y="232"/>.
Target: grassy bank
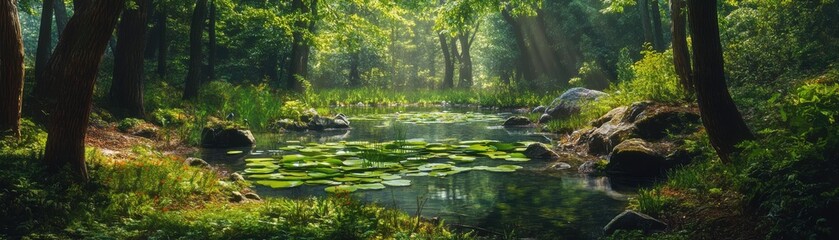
<point x="152" y="195"/>
<point x="781" y="186"/>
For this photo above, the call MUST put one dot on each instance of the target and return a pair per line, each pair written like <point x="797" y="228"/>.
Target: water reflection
<point x="525" y="203"/>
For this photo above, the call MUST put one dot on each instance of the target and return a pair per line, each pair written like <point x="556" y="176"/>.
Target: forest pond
<point x="461" y="166"/>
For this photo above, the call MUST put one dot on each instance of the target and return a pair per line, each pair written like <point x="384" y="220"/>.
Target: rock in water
<point x="631" y="220"/>
<point x="545" y="118"/>
<point x="540" y="151"/>
<point x="637" y="158"/>
<point x="518" y="121"/>
<point x="226" y="138"/>
<point x="560" y="166"/>
<point x="571" y="101"/>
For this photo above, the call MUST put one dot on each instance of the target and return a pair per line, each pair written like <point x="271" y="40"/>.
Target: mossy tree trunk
<point x="74" y="66"/>
<point x="11" y="68"/>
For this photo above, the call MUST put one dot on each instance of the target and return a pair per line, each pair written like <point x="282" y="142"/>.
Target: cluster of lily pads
<point x="433" y="117"/>
<point x="350" y="166"/>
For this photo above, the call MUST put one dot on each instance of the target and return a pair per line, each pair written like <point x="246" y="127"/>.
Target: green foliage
<point x="32" y="140"/>
<point x="654" y="79"/>
<point x="129" y="123"/>
<point x="496" y="97"/>
<point x="294" y="110"/>
<point x="652" y="202"/>
<point x="170" y="117"/>
<point x="791" y="173"/>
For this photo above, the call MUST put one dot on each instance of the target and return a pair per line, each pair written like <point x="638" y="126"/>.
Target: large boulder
<point x="517" y="121"/>
<point x="540" y="151"/>
<point x="637" y="158"/>
<point x="314" y="122"/>
<point x="645" y="120"/>
<point x="631" y="220"/>
<point x="570" y="101"/>
<point x="226" y="138"/>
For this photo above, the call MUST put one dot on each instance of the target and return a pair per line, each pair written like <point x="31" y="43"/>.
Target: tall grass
<point x="653" y="79"/>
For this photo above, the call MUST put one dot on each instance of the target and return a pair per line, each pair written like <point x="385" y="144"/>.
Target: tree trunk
<point x="162" y="45"/>
<point x="42" y="54"/>
<point x="355" y="74"/>
<point x="681" y="56"/>
<point x="194" y="75"/>
<point x="448" y="77"/>
<point x="75" y="65"/>
<point x="269" y="68"/>
<point x="655" y="9"/>
<point x="127" y="86"/>
<point x="80" y="5"/>
<point x="299" y="65"/>
<point x="465" y="61"/>
<point x="722" y="120"/>
<point x="153" y="34"/>
<point x="11" y="68"/>
<point x="211" y="49"/>
<point x="60" y="16"/>
<point x="644" y="12"/>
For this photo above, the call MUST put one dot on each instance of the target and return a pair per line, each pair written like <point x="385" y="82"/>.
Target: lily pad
<point x="237" y="152"/>
<point x="279" y="184"/>
<point x="370" y="186"/>
<point x="397" y="183"/>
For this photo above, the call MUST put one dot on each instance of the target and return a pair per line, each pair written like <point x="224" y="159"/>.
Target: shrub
<point x="792" y="173"/>
<point x="129" y="123"/>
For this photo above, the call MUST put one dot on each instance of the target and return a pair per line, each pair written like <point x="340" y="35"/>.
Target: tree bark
<point x="75" y="65"/>
<point x="42" y="54"/>
<point x="211" y="49"/>
<point x="644" y="12"/>
<point x="355" y="74"/>
<point x="11" y="68"/>
<point x="448" y="75"/>
<point x="60" y="16"/>
<point x="681" y="56"/>
<point x="126" y="92"/>
<point x="299" y="64"/>
<point x="80" y="5"/>
<point x="153" y="33"/>
<point x="723" y="122"/>
<point x="525" y="67"/>
<point x="465" y="61"/>
<point x="162" y="45"/>
<point x="195" y="75"/>
<point x="655" y="9"/>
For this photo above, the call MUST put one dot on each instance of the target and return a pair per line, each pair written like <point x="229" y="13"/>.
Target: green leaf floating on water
<point x="279" y="184"/>
<point x="397" y="183"/>
<point x="499" y="168"/>
<point x="237" y="152"/>
<point x="370" y="186"/>
<point x="351" y="166"/>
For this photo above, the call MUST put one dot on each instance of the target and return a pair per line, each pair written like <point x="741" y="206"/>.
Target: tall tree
<point x="42" y="54"/>
<point x="681" y="56"/>
<point x="466" y="79"/>
<point x="11" y="68"/>
<point x="448" y="62"/>
<point x="126" y="92"/>
<point x="194" y="75"/>
<point x="211" y="49"/>
<point x="162" y="44"/>
<point x="74" y="65"/>
<point x="658" y="34"/>
<point x="723" y="122"/>
<point x="300" y="46"/>
<point x="646" y="24"/>
<point x="60" y="15"/>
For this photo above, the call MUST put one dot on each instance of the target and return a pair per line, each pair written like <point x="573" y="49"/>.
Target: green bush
<point x="129" y="123"/>
<point x="792" y="172"/>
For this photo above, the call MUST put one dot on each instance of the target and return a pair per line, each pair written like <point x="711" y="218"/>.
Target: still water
<point x="528" y="203"/>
